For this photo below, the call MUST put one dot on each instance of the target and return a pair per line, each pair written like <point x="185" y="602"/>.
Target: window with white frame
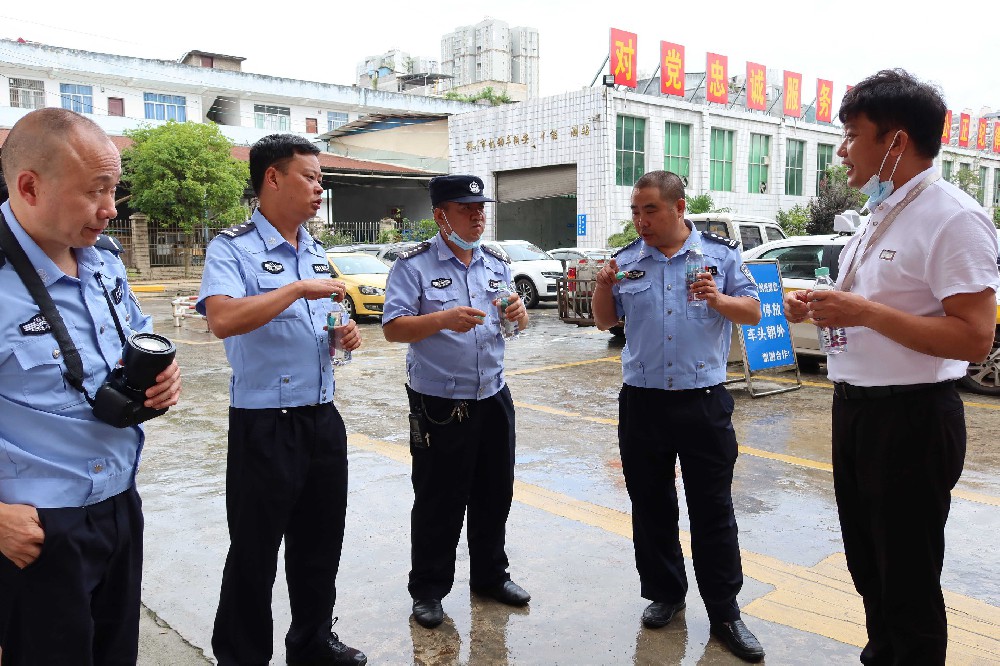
<point x="946" y="170"/>
<point x="77" y="97"/>
<point x="270" y="117"/>
<point x="335" y="119"/>
<point x="27" y="94"/>
<point x="165" y="107"/>
<point x="981" y="193"/>
<point x="720" y="160"/>
<point x="677" y="149"/>
<point x="630" y="150"/>
<point x="824" y="158"/>
<point x="759" y="165"/>
<point x="794" y="163"/>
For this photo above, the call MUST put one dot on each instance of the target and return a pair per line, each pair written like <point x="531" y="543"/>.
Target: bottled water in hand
<point x="508" y="329"/>
<point x="832" y="340"/>
<point x="694" y="263"/>
<point x="336" y="320"/>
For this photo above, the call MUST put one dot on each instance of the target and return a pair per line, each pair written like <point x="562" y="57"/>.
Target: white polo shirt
<point x="940" y="245"/>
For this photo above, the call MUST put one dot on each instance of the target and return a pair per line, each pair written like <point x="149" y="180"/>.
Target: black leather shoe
<point x="329" y="653"/>
<point x="660" y="613"/>
<point x="428" y="612"/>
<point x="738" y="639"/>
<point x="507" y="592"/>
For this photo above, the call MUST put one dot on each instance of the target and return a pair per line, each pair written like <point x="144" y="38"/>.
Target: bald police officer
<point x="440" y="298"/>
<point x="673" y="404"/>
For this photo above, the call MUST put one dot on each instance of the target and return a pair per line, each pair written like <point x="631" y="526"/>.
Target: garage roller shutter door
<point x="537" y="183"/>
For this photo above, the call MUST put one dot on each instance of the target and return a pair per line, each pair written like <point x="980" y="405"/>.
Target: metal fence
<point x="121" y="230"/>
<point x="166" y="245"/>
<point x="368" y="231"/>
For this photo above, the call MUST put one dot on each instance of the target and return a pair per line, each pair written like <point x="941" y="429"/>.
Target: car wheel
<point x="348" y="304"/>
<point x="985" y="377"/>
<point x="526" y="290"/>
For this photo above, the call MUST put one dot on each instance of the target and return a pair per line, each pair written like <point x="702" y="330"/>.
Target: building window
<point x="335" y="119"/>
<point x="165" y="107"/>
<point x="207" y="61"/>
<point x="311" y="126"/>
<point x="946" y="169"/>
<point x="677" y="149"/>
<point x="720" y="163"/>
<point x="77" y="98"/>
<point x="27" y="94"/>
<point x="824" y="158"/>
<point x="794" y="159"/>
<point x="270" y="117"/>
<point x="981" y="190"/>
<point x="116" y="106"/>
<point x="996" y="187"/>
<point x="630" y="150"/>
<point x="760" y="158"/>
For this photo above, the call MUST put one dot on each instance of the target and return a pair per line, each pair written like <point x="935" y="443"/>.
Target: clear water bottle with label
<point x="694" y="263"/>
<point x="508" y="329"/>
<point x="336" y="321"/>
<point x="832" y="340"/>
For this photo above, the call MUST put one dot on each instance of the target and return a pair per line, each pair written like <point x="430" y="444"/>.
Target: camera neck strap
<point x="111" y="306"/>
<point x="19" y="260"/>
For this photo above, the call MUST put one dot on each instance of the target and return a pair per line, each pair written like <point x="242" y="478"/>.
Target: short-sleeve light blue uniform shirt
<point x="430" y="278"/>
<point x="53" y="451"/>
<point x="670" y="345"/>
<point x="285" y="362"/>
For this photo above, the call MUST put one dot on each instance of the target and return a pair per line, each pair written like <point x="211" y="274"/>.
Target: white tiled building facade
<point x="613" y="137"/>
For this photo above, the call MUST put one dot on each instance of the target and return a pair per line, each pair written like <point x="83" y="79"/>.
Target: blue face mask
<point x="878" y="191"/>
<point x="458" y="240"/>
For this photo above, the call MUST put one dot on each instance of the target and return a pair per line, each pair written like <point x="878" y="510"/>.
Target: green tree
<point x="623" y="237"/>
<point x="183" y="175"/>
<point x="835" y="196"/>
<point x="794" y="221"/>
<point x="422" y="230"/>
<point x="487" y="93"/>
<point x="967" y="180"/>
<point x="329" y="238"/>
<point x="703" y="203"/>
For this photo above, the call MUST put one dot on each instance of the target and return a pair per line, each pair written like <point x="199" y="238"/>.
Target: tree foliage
<point x="835" y="196"/>
<point x="967" y="180"/>
<point x="487" y="93"/>
<point x="795" y="220"/>
<point x="703" y="203"/>
<point x="625" y="236"/>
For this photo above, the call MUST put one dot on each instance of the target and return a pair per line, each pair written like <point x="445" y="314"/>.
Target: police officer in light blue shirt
<point x="266" y="291"/>
<point x="68" y="502"/>
<point x="441" y="298"/>
<point x="673" y="404"/>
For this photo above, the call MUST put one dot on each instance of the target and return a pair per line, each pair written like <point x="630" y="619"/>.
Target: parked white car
<point x="534" y="271"/>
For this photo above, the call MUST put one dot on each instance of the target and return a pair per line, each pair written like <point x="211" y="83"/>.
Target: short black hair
<point x="276" y="150"/>
<point x="895" y="99"/>
<point x="669" y="184"/>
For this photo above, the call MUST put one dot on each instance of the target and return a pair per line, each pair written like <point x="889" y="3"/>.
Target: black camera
<point x="120" y="399"/>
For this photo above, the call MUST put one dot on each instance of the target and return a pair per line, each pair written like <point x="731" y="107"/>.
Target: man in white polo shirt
<point x="916" y="293"/>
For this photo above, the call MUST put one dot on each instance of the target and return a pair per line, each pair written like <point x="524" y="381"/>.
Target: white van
<point x="750" y="230"/>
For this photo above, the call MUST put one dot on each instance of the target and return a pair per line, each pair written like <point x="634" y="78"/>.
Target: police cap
<point x="460" y="189"/>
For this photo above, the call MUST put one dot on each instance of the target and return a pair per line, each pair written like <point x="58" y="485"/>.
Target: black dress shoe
<point x="738" y="639"/>
<point x="428" y="612"/>
<point x="331" y="652"/>
<point x="660" y="613"/>
<point x="508" y="592"/>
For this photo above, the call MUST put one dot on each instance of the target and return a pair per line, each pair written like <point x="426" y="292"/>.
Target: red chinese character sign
<point x="824" y="101"/>
<point x="963" y="130"/>
<point x="756" y="86"/>
<point x="996" y="137"/>
<point x="717" y="80"/>
<point x="793" y="94"/>
<point x="981" y="135"/>
<point x="623" y="46"/>
<point x="946" y="130"/>
<point x="671" y="69"/>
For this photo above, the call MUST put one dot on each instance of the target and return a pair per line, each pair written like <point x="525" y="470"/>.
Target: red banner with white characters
<point x="963" y="130"/>
<point x="793" y="94"/>
<point x="623" y="48"/>
<point x="756" y="86"/>
<point x="946" y="130"/>
<point x="824" y="101"/>
<point x="996" y="137"/>
<point x="671" y="69"/>
<point x="717" y="78"/>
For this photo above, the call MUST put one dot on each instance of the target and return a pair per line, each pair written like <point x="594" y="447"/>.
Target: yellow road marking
<point x="216" y="341"/>
<point x="544" y="368"/>
<point x="820" y="600"/>
<point x="148" y="288"/>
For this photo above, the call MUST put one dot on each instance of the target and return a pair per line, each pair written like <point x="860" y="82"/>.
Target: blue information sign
<point x="581" y="225"/>
<point x="769" y="343"/>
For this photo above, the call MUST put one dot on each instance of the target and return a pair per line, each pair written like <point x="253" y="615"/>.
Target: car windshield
<point x="359" y="264"/>
<point x="523" y="252"/>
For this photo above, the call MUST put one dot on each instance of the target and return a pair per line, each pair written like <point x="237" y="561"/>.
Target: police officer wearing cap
<point x="673" y="404"/>
<point x="441" y="299"/>
<point x="266" y="291"/>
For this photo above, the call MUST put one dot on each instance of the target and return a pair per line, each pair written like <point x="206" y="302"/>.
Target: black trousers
<point x="655" y="428"/>
<point x="468" y="465"/>
<point x="286" y="477"/>
<point x="78" y="603"/>
<point x="895" y="461"/>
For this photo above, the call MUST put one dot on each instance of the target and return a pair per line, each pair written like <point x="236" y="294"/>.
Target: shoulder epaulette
<point x="414" y="251"/>
<point x="496" y="253"/>
<point x="110" y="244"/>
<point x="731" y="242"/>
<point x="238" y="230"/>
<point x="622" y="249"/>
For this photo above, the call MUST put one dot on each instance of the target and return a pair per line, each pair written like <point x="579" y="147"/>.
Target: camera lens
<point x="145" y="356"/>
<point x="148" y="342"/>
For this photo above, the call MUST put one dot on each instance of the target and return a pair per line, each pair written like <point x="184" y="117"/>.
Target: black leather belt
<point x="852" y="392"/>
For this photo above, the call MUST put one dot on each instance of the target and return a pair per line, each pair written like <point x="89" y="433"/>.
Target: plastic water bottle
<point x="336" y="320"/>
<point x="832" y="340"/>
<point x="508" y="329"/>
<point x="694" y="263"/>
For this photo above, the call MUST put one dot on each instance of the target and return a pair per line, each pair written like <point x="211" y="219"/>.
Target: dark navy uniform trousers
<point x="655" y="428"/>
<point x="468" y="465"/>
<point x="286" y="476"/>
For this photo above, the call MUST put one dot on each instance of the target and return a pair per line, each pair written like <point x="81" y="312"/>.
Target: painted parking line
<point x="820" y="599"/>
<point x="559" y="366"/>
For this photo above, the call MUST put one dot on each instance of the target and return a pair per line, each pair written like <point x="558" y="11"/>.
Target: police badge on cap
<point x="460" y="189"/>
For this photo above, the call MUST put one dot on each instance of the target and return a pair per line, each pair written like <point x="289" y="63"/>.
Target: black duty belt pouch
<point x="419" y="437"/>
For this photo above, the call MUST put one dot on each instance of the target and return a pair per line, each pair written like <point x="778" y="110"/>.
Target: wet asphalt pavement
<point x="569" y="534"/>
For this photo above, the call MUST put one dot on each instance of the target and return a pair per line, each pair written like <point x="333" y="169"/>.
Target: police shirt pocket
<point x="43" y="382"/>
<point x="268" y="283"/>
<point x="637" y="299"/>
<point x="437" y="299"/>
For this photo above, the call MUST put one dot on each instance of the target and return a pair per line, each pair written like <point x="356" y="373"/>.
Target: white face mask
<point x="458" y="240"/>
<point x="878" y="191"/>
